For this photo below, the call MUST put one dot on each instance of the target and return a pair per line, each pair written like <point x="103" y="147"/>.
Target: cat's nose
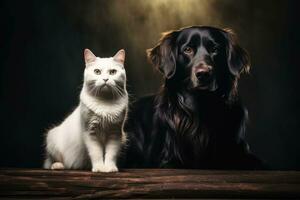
<point x="105" y="80"/>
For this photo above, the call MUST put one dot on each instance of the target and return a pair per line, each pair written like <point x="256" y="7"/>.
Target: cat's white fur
<point x="92" y="135"/>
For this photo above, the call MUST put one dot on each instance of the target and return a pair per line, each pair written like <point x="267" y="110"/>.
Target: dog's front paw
<point x="99" y="167"/>
<point x="110" y="167"/>
<point x="57" y="166"/>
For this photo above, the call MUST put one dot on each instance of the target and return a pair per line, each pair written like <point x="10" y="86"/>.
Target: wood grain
<point x="149" y="183"/>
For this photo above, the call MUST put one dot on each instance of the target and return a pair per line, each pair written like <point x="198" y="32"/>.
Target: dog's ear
<point x="163" y="55"/>
<point x="237" y="57"/>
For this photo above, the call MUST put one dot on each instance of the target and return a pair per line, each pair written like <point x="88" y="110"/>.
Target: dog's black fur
<point x="196" y="120"/>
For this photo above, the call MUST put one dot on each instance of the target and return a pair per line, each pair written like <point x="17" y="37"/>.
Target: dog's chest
<point x="189" y="139"/>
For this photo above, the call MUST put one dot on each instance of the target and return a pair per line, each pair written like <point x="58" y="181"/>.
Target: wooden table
<point x="149" y="183"/>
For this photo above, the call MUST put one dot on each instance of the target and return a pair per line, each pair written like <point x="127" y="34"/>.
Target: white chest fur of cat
<point x="92" y="135"/>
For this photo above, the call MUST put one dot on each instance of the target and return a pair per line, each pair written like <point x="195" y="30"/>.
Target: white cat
<point x="92" y="135"/>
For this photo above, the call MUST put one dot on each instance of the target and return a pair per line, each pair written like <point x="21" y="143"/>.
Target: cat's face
<point x="105" y="77"/>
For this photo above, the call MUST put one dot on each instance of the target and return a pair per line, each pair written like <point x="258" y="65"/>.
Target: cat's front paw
<point x="99" y="167"/>
<point x="110" y="167"/>
<point x="57" y="166"/>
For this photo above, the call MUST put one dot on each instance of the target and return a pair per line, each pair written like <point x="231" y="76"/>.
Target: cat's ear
<point x="89" y="56"/>
<point x="120" y="56"/>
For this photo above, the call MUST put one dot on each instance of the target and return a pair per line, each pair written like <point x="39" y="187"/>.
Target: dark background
<point x="42" y="64"/>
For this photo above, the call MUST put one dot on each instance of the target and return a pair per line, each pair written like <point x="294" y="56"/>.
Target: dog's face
<point x="204" y="58"/>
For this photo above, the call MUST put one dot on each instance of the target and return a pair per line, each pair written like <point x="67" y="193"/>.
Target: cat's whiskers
<point x="98" y="91"/>
<point x="119" y="90"/>
<point x="118" y="93"/>
<point x="93" y="90"/>
<point x="113" y="94"/>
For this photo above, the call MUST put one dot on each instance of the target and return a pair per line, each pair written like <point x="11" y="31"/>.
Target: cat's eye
<point x="97" y="71"/>
<point x="188" y="50"/>
<point x="112" y="71"/>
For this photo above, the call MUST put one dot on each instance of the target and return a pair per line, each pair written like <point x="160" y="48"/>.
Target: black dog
<point x="196" y="120"/>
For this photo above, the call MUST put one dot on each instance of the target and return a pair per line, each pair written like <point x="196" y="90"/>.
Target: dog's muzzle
<point x="203" y="73"/>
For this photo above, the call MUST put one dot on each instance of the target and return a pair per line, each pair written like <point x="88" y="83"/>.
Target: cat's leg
<point x="95" y="151"/>
<point x="49" y="163"/>
<point x="112" y="148"/>
<point x="57" y="166"/>
<point x="54" y="157"/>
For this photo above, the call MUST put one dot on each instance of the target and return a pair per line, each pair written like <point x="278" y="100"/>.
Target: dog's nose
<point x="203" y="71"/>
<point x="203" y="75"/>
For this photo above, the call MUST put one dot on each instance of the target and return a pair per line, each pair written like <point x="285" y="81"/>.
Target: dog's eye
<point x="188" y="50"/>
<point x="112" y="71"/>
<point x="97" y="71"/>
<point x="214" y="49"/>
